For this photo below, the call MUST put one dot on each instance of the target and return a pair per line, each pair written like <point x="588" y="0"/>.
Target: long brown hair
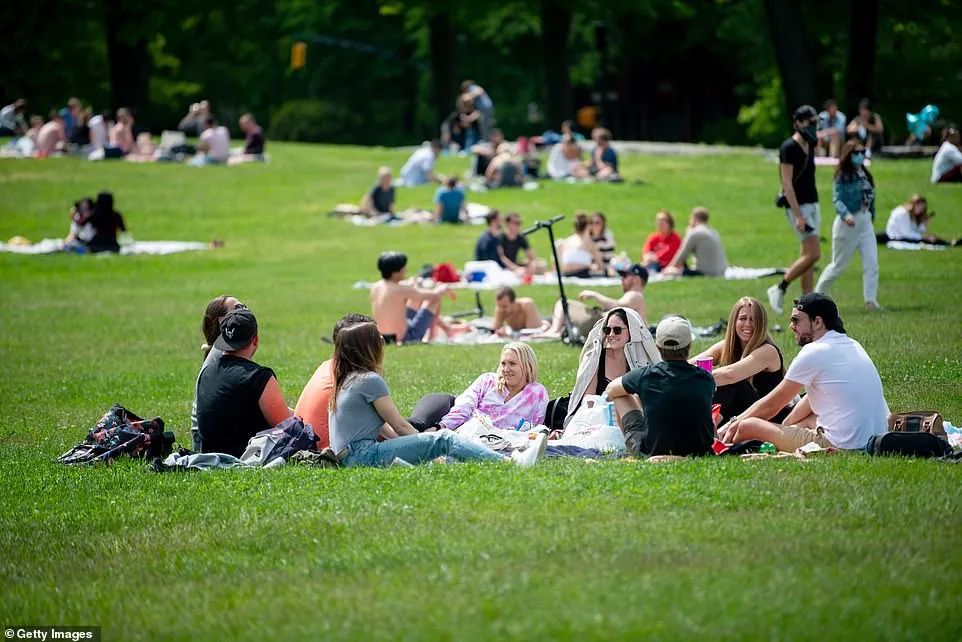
<point x="733" y="350"/>
<point x="210" y="326"/>
<point x="357" y="349"/>
<point x="845" y="166"/>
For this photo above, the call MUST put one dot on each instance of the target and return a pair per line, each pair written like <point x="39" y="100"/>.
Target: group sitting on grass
<point x="662" y="396"/>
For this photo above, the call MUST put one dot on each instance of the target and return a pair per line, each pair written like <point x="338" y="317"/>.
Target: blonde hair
<point x="733" y="350"/>
<point x="383" y="171"/>
<point x="529" y="362"/>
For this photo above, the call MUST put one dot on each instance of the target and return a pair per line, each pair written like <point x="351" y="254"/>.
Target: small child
<point x="81" y="231"/>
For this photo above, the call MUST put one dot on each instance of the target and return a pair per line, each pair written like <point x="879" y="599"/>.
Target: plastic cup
<point x="705" y="363"/>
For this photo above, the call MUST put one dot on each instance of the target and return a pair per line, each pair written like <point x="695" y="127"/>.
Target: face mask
<point x="858" y="158"/>
<point x="808" y="133"/>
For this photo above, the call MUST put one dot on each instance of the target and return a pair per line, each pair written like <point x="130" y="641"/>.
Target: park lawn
<point x="842" y="547"/>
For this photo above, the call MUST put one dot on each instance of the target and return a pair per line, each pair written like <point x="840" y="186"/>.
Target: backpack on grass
<point x="908" y="444"/>
<point x="121" y="432"/>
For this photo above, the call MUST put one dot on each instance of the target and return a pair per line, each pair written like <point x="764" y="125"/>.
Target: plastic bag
<point x="594" y="411"/>
<point x="593" y="426"/>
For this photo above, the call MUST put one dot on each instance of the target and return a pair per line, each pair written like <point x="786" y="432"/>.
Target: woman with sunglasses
<point x="361" y="405"/>
<point x="748" y="364"/>
<point x="216" y="310"/>
<point x="853" y="194"/>
<point x="619" y="342"/>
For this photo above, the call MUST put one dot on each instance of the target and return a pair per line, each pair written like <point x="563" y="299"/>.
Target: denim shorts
<point x="418" y="323"/>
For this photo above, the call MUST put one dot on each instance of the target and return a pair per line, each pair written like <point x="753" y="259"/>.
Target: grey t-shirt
<point x="356" y="418"/>
<point x="705" y="244"/>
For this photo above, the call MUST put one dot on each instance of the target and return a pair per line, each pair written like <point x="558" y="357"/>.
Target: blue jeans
<point x="416" y="449"/>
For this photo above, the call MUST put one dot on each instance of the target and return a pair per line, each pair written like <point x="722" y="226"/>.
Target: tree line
<point x="388" y="71"/>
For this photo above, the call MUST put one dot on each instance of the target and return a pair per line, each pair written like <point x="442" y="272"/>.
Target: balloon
<point x="918" y="123"/>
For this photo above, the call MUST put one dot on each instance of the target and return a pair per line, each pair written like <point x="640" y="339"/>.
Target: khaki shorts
<point x="794" y="437"/>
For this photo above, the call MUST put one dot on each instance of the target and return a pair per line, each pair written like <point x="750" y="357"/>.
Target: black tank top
<point x="603" y="381"/>
<point x="764" y="382"/>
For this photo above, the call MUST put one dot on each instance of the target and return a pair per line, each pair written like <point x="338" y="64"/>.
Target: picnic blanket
<point x="906" y="245"/>
<point x="492" y="279"/>
<point x="158" y="248"/>
<point x="410" y="216"/>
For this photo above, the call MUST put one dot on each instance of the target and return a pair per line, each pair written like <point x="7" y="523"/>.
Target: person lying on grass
<point x="237" y="398"/>
<point x="844" y="405"/>
<point x="405" y="313"/>
<point x="512" y="314"/>
<point x="361" y="405"/>
<point x="747" y="363"/>
<point x="674" y="413"/>
<point x="508" y="397"/>
<point x="216" y="310"/>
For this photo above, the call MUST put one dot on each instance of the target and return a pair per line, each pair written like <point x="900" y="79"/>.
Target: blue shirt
<point x="450" y="201"/>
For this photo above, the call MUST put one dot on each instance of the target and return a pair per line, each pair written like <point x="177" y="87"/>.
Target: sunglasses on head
<point x="616" y="329"/>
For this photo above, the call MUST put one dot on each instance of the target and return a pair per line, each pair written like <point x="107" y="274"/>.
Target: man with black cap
<point x="237" y="398"/>
<point x="844" y="405"/>
<point x="799" y="197"/>
<point x="674" y="413"/>
<point x="584" y="315"/>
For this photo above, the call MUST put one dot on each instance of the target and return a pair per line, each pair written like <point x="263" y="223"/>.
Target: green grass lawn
<point x="843" y="547"/>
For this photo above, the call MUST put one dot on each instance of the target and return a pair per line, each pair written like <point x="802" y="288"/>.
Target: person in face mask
<point x="800" y="200"/>
<point x="853" y="195"/>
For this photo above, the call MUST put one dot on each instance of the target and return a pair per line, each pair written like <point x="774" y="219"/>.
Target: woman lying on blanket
<point x="747" y="363"/>
<point x="619" y="342"/>
<point x="361" y="406"/>
<point x="508" y="397"/>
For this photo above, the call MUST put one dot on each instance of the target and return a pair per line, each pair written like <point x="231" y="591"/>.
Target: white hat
<point x="673" y="333"/>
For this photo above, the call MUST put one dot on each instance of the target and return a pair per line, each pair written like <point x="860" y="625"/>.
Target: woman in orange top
<point x="662" y="245"/>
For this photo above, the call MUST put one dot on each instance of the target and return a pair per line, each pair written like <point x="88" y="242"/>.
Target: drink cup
<point x="705" y="363"/>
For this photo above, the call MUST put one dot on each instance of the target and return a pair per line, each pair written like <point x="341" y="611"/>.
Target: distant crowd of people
<point x="76" y="130"/>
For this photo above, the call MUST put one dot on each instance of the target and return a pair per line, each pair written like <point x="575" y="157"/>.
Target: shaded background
<point x="384" y="72"/>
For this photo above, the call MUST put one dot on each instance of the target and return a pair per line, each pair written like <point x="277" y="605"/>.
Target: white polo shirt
<point x="844" y="389"/>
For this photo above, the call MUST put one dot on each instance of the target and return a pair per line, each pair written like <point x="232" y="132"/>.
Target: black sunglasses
<point x="616" y="329"/>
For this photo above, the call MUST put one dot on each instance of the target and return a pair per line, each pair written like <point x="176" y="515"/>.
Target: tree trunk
<point x="555" y="27"/>
<point x="443" y="69"/>
<point x="862" y="38"/>
<point x="127" y="55"/>
<point x="793" y="52"/>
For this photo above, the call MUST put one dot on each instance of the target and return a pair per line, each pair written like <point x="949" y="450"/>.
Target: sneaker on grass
<point x="776" y="299"/>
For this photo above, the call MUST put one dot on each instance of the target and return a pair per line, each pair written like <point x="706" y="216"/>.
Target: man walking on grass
<point x="800" y="200"/>
<point x="844" y="405"/>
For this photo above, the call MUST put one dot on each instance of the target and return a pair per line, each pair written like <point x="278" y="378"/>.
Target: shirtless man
<point x="404" y="313"/>
<point x="633" y="282"/>
<point x="512" y="314"/>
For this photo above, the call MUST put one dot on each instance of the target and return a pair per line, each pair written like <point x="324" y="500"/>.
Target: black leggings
<point x="430" y="409"/>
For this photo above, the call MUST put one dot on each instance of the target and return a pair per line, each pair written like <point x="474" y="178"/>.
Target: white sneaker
<point x="529" y="456"/>
<point x="776" y="299"/>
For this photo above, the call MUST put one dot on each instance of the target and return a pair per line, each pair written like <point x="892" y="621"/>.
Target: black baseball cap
<point x="237" y="328"/>
<point x="637" y="269"/>
<point x="816" y="304"/>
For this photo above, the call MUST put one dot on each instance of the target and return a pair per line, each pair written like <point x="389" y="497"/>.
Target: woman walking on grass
<point x="362" y="410"/>
<point x="853" y="195"/>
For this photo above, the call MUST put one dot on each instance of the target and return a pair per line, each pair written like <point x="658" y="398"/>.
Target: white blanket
<point x="50" y="246"/>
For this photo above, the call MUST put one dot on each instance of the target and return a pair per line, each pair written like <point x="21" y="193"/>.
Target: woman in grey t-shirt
<point x="361" y="405"/>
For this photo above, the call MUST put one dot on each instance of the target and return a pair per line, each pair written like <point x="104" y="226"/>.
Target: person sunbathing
<point x="512" y="314"/>
<point x="405" y="313"/>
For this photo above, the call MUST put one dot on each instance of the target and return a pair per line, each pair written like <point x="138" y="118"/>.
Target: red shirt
<point x="312" y="407"/>
<point x="664" y="247"/>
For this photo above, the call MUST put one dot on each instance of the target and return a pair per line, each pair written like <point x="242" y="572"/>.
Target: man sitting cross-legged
<point x="405" y="313"/>
<point x="674" y="413"/>
<point x="844" y="405"/>
<point x="512" y="314"/>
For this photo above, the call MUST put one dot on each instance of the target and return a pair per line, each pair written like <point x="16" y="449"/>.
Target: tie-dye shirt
<point x="483" y="396"/>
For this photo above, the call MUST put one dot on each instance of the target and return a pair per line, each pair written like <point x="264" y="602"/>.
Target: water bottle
<point x="768" y="448"/>
<point x="611" y="413"/>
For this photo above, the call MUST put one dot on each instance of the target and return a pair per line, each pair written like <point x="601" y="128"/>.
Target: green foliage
<point x="315" y="121"/>
<point x="765" y="119"/>
<point x="839" y="548"/>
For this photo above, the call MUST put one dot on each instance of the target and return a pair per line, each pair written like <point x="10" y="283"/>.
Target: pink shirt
<point x="483" y="396"/>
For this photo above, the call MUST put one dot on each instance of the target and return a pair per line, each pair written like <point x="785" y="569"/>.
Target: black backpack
<point x="908" y="444"/>
<point x="121" y="432"/>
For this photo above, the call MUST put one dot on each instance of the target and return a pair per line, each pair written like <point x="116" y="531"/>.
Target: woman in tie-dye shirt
<point x="507" y="397"/>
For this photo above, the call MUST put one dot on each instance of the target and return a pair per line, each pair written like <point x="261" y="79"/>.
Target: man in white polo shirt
<point x="844" y="405"/>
